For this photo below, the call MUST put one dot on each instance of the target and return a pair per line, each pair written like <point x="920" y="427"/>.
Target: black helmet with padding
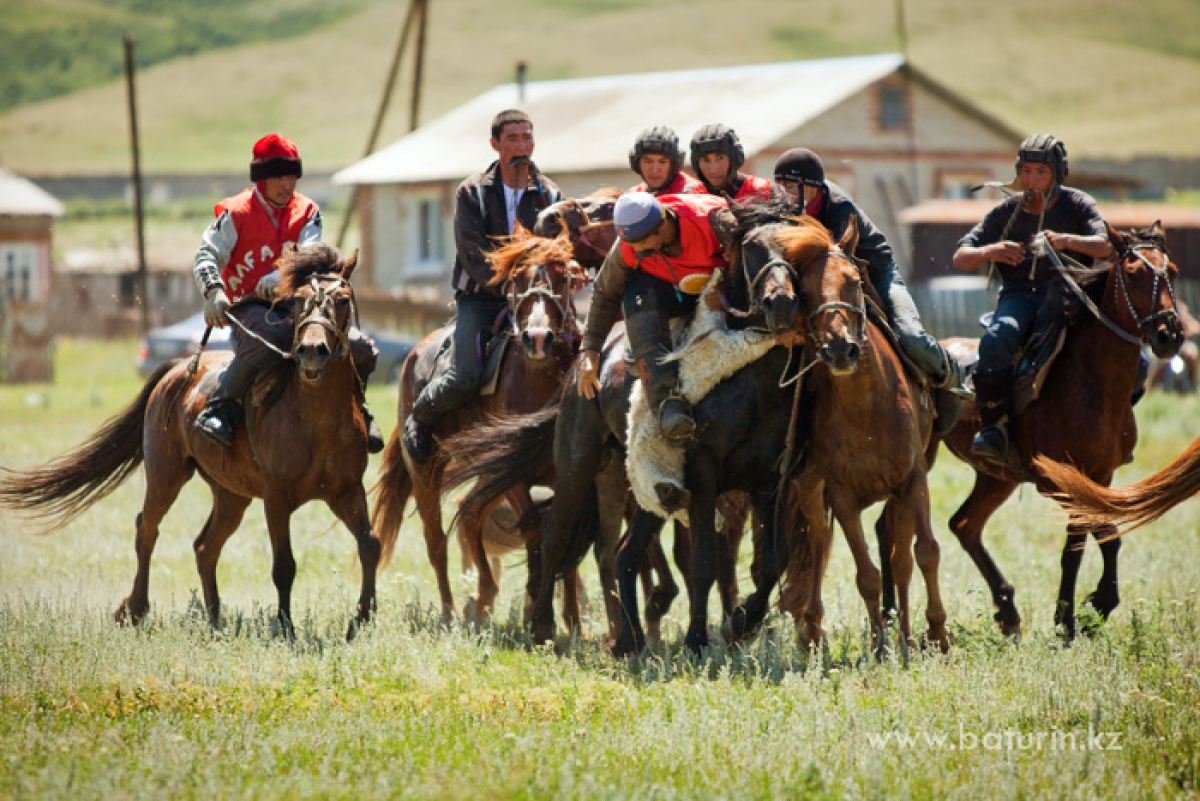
<point x="1044" y="149"/>
<point x="659" y="141"/>
<point x="717" y="138"/>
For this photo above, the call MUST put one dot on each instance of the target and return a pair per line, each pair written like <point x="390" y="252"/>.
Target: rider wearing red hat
<point x="235" y="268"/>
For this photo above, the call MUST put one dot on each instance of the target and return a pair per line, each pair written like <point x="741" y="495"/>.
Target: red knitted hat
<point x="274" y="157"/>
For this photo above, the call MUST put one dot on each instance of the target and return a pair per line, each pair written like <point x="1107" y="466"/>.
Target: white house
<point x="889" y="134"/>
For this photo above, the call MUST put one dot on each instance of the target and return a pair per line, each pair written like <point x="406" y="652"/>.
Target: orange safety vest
<point x="681" y="184"/>
<point x="259" y="241"/>
<point x="701" y="249"/>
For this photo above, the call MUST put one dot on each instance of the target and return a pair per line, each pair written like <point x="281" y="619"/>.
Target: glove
<point x="267" y="285"/>
<point x="216" y="303"/>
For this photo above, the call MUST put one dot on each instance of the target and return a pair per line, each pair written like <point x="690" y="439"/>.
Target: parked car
<point x="179" y="341"/>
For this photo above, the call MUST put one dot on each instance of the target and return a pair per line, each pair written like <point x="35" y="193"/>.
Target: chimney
<point x="522" y="68"/>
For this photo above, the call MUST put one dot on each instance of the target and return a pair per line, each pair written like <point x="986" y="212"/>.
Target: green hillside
<point x="1112" y="77"/>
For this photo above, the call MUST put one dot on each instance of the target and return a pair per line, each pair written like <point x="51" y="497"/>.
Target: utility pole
<point x="142" y="298"/>
<point x="418" y="11"/>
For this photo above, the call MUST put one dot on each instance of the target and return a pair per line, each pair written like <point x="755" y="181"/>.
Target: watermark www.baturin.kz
<point x="1006" y="740"/>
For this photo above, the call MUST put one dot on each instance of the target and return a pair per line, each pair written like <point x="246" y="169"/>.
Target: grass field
<point x="1111" y="77"/>
<point x="415" y="709"/>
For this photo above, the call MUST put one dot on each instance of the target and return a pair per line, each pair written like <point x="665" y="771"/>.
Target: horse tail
<point x="499" y="454"/>
<point x="63" y="488"/>
<point x="1136" y="505"/>
<point x="391" y="496"/>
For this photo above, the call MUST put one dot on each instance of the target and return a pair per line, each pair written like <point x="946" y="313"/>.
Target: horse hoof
<point x="542" y="634"/>
<point x="672" y="496"/>
<point x="696" y="642"/>
<point x="626" y="645"/>
<point x="127" y="616"/>
<point x="734" y="627"/>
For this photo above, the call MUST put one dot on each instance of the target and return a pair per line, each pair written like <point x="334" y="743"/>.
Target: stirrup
<point x="991" y="444"/>
<point x="218" y="420"/>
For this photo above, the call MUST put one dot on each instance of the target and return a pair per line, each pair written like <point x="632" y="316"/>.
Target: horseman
<point x="717" y="157"/>
<point x="235" y="269"/>
<point x="1005" y="237"/>
<point x="668" y="247"/>
<point x="656" y="157"/>
<point x="801" y="175"/>
<point x="487" y="206"/>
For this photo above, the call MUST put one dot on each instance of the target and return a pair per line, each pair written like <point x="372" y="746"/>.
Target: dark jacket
<point x="480" y="215"/>
<point x="873" y="247"/>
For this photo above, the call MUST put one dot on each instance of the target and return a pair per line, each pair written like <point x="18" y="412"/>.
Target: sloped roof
<point x="589" y="124"/>
<point x="21" y="197"/>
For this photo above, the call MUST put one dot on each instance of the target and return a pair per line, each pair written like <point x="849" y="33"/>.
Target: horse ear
<point x="349" y="264"/>
<point x="1156" y="230"/>
<point x="849" y="241"/>
<point x="1115" y="238"/>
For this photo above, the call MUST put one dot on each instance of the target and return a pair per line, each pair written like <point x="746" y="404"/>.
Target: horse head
<point x="1143" y="286"/>
<point x="317" y="279"/>
<point x="831" y="291"/>
<point x="764" y="281"/>
<point x="539" y="276"/>
<point x="588" y="221"/>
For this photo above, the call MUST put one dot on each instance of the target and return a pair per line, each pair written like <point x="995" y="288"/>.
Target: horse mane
<point x="605" y="193"/>
<point x="515" y="255"/>
<point x="298" y="264"/>
<point x="804" y="241"/>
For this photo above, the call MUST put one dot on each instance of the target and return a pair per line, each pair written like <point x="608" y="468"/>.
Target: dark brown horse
<point x="539" y="277"/>
<point x="870" y="424"/>
<point x="306" y="441"/>
<point x="1083" y="416"/>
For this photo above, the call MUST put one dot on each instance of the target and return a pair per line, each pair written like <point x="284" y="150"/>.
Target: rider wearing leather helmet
<point x="656" y="157"/>
<point x="717" y="157"/>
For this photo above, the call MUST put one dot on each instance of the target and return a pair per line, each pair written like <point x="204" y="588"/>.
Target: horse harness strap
<point x="1087" y="301"/>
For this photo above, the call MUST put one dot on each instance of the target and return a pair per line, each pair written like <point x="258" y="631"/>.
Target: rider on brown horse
<point x="487" y="205"/>
<point x="669" y="246"/>
<point x="717" y="157"/>
<point x="1070" y="221"/>
<point x="801" y="174"/>
<point x="656" y="157"/>
<point x="235" y="268"/>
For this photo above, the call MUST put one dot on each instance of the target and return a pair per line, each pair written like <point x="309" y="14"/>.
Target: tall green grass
<point x="417" y="709"/>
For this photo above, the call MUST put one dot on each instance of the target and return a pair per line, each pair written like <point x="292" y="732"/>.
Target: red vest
<point x="754" y="190"/>
<point x="702" y="252"/>
<point x="259" y="242"/>
<point x="679" y="185"/>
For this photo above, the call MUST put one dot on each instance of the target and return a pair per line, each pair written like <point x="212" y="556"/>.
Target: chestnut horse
<point x="1082" y="416"/>
<point x="307" y="441"/>
<point x="870" y="422"/>
<point x="538" y="277"/>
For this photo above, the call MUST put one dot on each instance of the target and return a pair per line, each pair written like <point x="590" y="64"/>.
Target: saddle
<point x="490" y="350"/>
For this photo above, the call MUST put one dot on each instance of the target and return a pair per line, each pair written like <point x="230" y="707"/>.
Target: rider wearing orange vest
<point x="717" y="155"/>
<point x="656" y="157"/>
<point x="668" y="247"/>
<point x="235" y="264"/>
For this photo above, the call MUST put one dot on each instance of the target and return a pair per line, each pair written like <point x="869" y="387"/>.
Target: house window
<point x="893" y="107"/>
<point x="17" y="271"/>
<point x="430" y="246"/>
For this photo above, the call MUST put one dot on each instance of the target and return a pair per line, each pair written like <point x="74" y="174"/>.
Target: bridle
<point x="319" y="310"/>
<point x="858" y="308"/>
<point x="541" y="287"/>
<point x="1146" y="324"/>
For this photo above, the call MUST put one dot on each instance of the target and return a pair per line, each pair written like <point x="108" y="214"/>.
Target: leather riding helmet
<point x="1044" y="149"/>
<point x="717" y="138"/>
<point x="660" y="141"/>
<point x="800" y="165"/>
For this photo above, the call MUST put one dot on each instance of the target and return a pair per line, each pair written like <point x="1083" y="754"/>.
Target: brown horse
<point x="1136" y="505"/>
<point x="306" y="441"/>
<point x="539" y="277"/>
<point x="1083" y="415"/>
<point x="870" y="424"/>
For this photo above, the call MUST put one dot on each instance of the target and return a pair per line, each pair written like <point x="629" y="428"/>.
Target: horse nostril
<point x="526" y="340"/>
<point x="852" y="352"/>
<point x="768" y="303"/>
<point x="323" y="350"/>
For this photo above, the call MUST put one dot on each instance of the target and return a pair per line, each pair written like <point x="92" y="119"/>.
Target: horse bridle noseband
<point x="318" y="310"/>
<point x="1144" y="324"/>
<point x="858" y="308"/>
<point x="541" y="287"/>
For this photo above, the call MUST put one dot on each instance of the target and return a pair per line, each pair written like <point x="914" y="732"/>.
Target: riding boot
<point x="223" y="411"/>
<point x="993" y="398"/>
<point x="440" y="396"/>
<point x="650" y="340"/>
<point x="948" y="393"/>
<point x="374" y="434"/>
<point x="1139" y="383"/>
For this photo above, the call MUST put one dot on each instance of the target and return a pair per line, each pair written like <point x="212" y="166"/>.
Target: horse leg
<point x="283" y="568"/>
<point x="1072" y="558"/>
<point x="643" y="530"/>
<point x="734" y="513"/>
<point x="899" y="561"/>
<point x="810" y="549"/>
<point x="429" y="507"/>
<point x="770" y="557"/>
<point x="1106" y="598"/>
<point x="659" y="601"/>
<point x="487" y="588"/>
<point x="351" y="509"/>
<point x="165" y="477"/>
<point x="867" y="576"/>
<point x="929" y="555"/>
<point x="612" y="488"/>
<point x="988" y="494"/>
<point x="884" y="527"/>
<point x="703" y="574"/>
<point x="572" y="618"/>
<point x="226" y="515"/>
